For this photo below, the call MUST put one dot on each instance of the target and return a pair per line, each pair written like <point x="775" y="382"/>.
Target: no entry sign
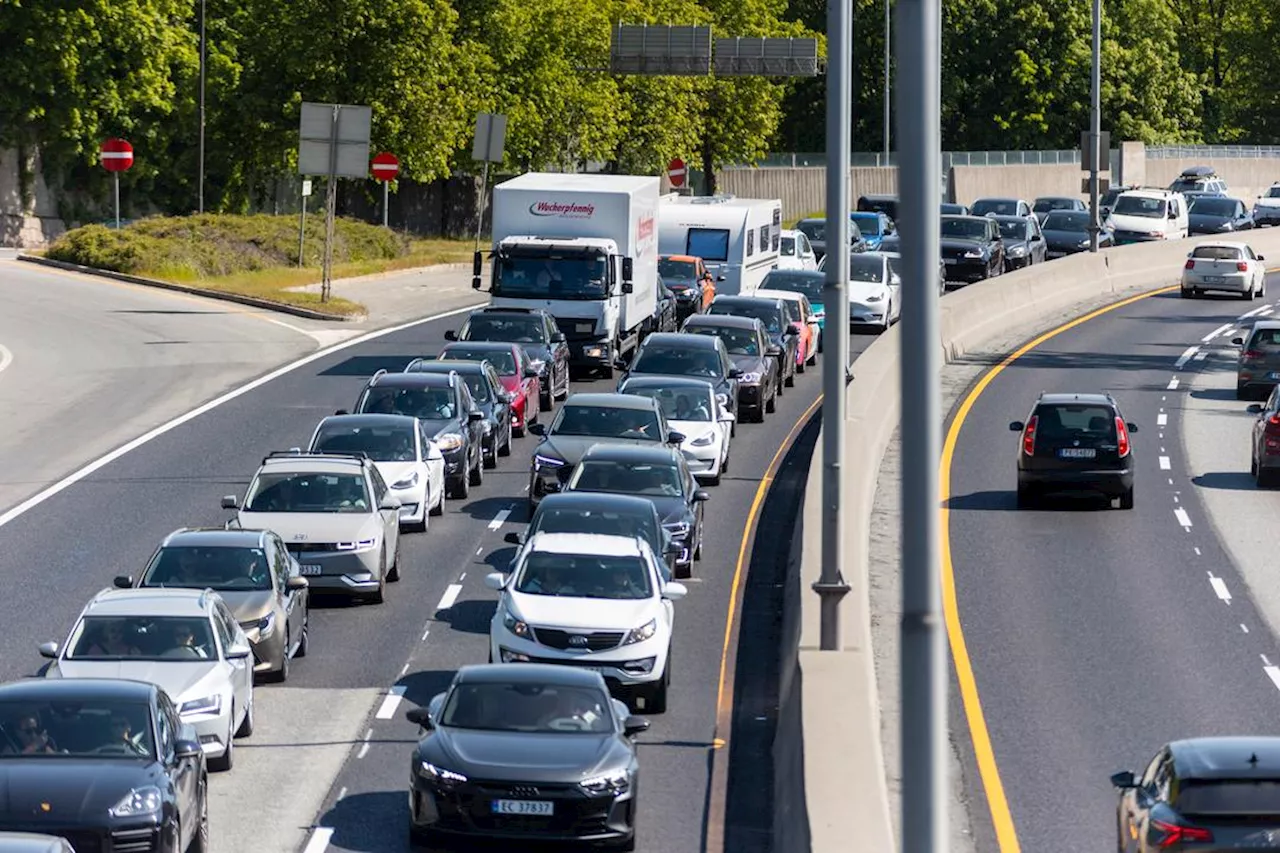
<point x="676" y="172"/>
<point x="385" y="167"/>
<point x="116" y="155"/>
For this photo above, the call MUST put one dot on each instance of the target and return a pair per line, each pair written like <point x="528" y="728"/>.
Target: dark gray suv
<point x="1078" y="443"/>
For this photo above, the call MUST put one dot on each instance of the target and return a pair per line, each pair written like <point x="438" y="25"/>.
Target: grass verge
<point x="251" y="255"/>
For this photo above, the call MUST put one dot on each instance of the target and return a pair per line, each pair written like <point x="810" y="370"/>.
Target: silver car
<point x="336" y="515"/>
<point x="185" y="641"/>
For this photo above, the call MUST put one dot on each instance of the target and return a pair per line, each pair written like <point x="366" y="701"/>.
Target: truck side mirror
<point x="477" y="263"/>
<point x="626" y="272"/>
<point x="628" y="287"/>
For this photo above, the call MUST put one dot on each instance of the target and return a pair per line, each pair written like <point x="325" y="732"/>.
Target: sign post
<point x="116" y="156"/>
<point x="333" y="140"/>
<point x="302" y="220"/>
<point x="385" y="168"/>
<point x="676" y="173"/>
<point x="491" y="139"/>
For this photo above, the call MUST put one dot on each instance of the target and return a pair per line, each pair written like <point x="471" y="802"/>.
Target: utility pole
<point x="1095" y="127"/>
<point x="888" y="28"/>
<point x="923" y="661"/>
<point x="203" y="55"/>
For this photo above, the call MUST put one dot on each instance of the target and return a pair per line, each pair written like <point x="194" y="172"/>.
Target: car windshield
<point x="1064" y="422"/>
<point x="868" y="223"/>
<point x="224" y="569"/>
<point x="379" y="443"/>
<point x="788" y="245"/>
<point x="430" y="404"/>
<point x="814" y="229"/>
<point x="608" y="422"/>
<point x="866" y="268"/>
<point x="305" y="492"/>
<point x="1188" y="184"/>
<point x="1014" y="230"/>
<point x="628" y="478"/>
<point x="604" y="522"/>
<point x="1110" y="196"/>
<point x="792" y="307"/>
<point x="736" y="341"/>
<point x="1209" y="206"/>
<point x="1235" y="797"/>
<point x="1044" y="205"/>
<point x="574" y="277"/>
<point x="679" y="361"/>
<point x="524" y="707"/>
<point x="1136" y="205"/>
<point x="964" y="228"/>
<point x="1274" y="192"/>
<point x="75" y="728"/>
<point x="518" y="328"/>
<point x="476" y="381"/>
<point x="1216" y="253"/>
<point x="619" y="578"/>
<point x="810" y="285"/>
<point x="142" y="637"/>
<point x="681" y="405"/>
<point x="766" y="312"/>
<point x="1067" y="221"/>
<point x="503" y="360"/>
<point x="677" y="271"/>
<point x="998" y="206"/>
<point x="1265" y="339"/>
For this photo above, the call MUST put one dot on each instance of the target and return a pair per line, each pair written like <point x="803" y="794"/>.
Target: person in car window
<point x="112" y="643"/>
<point x="31" y="736"/>
<point x="574" y="711"/>
<point x="184" y="643"/>
<point x="122" y="737"/>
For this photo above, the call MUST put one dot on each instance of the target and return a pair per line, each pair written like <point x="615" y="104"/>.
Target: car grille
<point x="576" y="329"/>
<point x="1130" y="235"/>
<point x="575" y="814"/>
<point x="596" y="641"/>
<point x="132" y="840"/>
<point x="956" y="252"/>
<point x="310" y="547"/>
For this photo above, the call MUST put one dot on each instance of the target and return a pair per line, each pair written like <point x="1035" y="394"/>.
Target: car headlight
<point x="973" y="253"/>
<point x="361" y="545"/>
<point x="677" y="529"/>
<point x="595" y="352"/>
<point x="203" y="705"/>
<point x="1017" y="251"/>
<point x="542" y="461"/>
<point x="439" y="774"/>
<point x="449" y="441"/>
<point x="1084" y="244"/>
<point x="1155" y="233"/>
<point x="407" y="483"/>
<point x="263" y="626"/>
<point x="611" y="783"/>
<point x="1226" y="226"/>
<point x="515" y="626"/>
<point x="707" y="439"/>
<point x="820" y="315"/>
<point x="750" y="378"/>
<point x="644" y="632"/>
<point x="138" y="802"/>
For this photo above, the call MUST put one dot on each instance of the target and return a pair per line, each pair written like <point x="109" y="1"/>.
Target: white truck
<point x="584" y="248"/>
<point x="737" y="238"/>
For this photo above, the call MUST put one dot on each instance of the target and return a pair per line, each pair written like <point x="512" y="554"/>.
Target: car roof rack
<point x="313" y="454"/>
<point x="378" y="374"/>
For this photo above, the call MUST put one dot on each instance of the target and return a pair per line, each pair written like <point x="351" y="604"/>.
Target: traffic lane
<point x="367" y="809"/>
<point x="1095" y="636"/>
<point x="97" y="362"/>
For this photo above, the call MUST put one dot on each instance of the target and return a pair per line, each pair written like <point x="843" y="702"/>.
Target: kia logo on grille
<point x="578" y="641"/>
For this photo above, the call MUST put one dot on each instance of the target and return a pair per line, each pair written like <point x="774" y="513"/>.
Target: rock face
<point x="26" y="224"/>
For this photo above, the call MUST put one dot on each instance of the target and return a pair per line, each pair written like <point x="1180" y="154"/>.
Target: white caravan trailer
<point x="738" y="238"/>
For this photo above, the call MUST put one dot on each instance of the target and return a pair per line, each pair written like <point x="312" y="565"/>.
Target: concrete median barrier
<point x="846" y="793"/>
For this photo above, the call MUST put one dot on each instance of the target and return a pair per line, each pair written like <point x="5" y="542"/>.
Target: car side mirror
<point x="1132" y="427"/>
<point x="1255" y="409"/>
<point x="537" y="429"/>
<point x="451" y="335"/>
<point x="558" y="338"/>
<point x="1017" y="426"/>
<point x="772" y="350"/>
<point x="792" y="331"/>
<point x="530" y="372"/>
<point x="297" y="582"/>
<point x="1238" y="341"/>
<point x="1124" y="779"/>
<point x="513" y="538"/>
<point x="721" y="278"/>
<point x="187" y="749"/>
<point x="49" y="650"/>
<point x="628" y="287"/>
<point x="123" y="582"/>
<point x="735" y="372"/>
<point x="633" y="726"/>
<point x="235" y="651"/>
<point x="420" y="717"/>
<point x="675" y="437"/>
<point x="342" y="412"/>
<point x="1261" y="257"/>
<point x="475" y="415"/>
<point x="390" y="504"/>
<point x="673" y="591"/>
<point x="700" y="496"/>
<point x="230" y="502"/>
<point x="495" y="580"/>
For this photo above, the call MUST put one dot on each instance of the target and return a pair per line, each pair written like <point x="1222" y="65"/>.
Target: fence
<point x="1060" y="157"/>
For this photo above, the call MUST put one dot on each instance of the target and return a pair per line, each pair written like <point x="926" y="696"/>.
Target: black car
<point x="953" y="209"/>
<point x="444" y="405"/>
<point x="525" y="752"/>
<point x="1067" y="232"/>
<point x="699" y="356"/>
<point x="106" y="764"/>
<point x="607" y="515"/>
<point x="1107" y="200"/>
<point x="773" y="314"/>
<point x="1075" y="442"/>
<point x="1218" y="215"/>
<point x="759" y="359"/>
<point x="1202" y="794"/>
<point x="971" y="248"/>
<point x="1023" y="243"/>
<point x="659" y="474"/>
<point x="816" y="230"/>
<point x="886" y="204"/>
<point x="1047" y="204"/>
<point x="664" y="316"/>
<point x="536" y="331"/>
<point x="487" y="393"/>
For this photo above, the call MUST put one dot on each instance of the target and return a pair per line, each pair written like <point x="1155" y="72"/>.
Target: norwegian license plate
<point x="949" y="260"/>
<point x="310" y="569"/>
<point x="537" y="808"/>
<point x="1214" y="279"/>
<point x="1077" y="453"/>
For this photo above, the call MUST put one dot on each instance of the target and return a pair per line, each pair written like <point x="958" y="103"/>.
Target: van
<point x="1146" y="215"/>
<point x="737" y="238"/>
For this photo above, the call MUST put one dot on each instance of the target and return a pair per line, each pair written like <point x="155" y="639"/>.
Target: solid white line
<point x="1164" y="463"/>
<point x="102" y="461"/>
<point x="319" y="841"/>
<point x="1220" y="588"/>
<point x="1266" y="310"/>
<point x="389" y="704"/>
<point x="1162" y="419"/>
<point x="1215" y="333"/>
<point x="498" y="519"/>
<point x="1183" y="518"/>
<point x="1257" y="310"/>
<point x="1273" y="672"/>
<point x="6" y="357"/>
<point x="1173" y="384"/>
<point x="1185" y="357"/>
<point x="364" y="747"/>
<point x="449" y="597"/>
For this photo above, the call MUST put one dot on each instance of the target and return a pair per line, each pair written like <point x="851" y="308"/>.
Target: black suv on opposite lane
<point x="447" y="412"/>
<point x="698" y="356"/>
<point x="488" y="394"/>
<point x="1075" y="442"/>
<point x="536" y="331"/>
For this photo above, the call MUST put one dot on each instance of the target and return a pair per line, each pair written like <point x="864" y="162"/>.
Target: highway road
<point x="331" y="749"/>
<point x="1088" y="637"/>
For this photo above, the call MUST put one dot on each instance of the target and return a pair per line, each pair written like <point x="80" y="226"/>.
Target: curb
<point x="252" y="301"/>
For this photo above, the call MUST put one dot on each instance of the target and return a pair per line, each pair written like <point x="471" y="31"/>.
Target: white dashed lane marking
<point x="1220" y="587"/>
<point x="389" y="704"/>
<point x="1162" y="419"/>
<point x="1173" y="384"/>
<point x="1185" y="357"/>
<point x="1273" y="672"/>
<point x="498" y="519"/>
<point x="319" y="841"/>
<point x="450" y="596"/>
<point x="1183" y="518"/>
<point x="1164" y="463"/>
<point x="1215" y="332"/>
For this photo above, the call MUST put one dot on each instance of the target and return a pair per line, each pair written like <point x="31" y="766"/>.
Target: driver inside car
<point x="122" y="737"/>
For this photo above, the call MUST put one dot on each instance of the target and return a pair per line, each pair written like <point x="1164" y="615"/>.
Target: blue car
<point x="874" y="227"/>
<point x="808" y="282"/>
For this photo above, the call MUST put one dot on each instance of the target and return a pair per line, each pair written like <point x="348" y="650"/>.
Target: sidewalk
<point x="395" y="297"/>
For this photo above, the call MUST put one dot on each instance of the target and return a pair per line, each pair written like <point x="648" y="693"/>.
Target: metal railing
<point x="1225" y="152"/>
<point x="1021" y="158"/>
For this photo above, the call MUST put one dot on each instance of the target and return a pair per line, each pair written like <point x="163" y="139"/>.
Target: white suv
<point x="593" y="601"/>
<point x="1146" y="215"/>
<point x="1266" y="210"/>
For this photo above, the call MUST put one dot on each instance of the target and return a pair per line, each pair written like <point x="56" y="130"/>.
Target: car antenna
<point x="1253" y="760"/>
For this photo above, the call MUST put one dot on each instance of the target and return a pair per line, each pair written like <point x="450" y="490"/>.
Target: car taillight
<point x="1252" y="354"/>
<point x="1122" y="432"/>
<point x="1242" y="266"/>
<point x="1029" y="437"/>
<point x="1175" y="834"/>
<point x="1273" y="423"/>
<point x="1191" y="264"/>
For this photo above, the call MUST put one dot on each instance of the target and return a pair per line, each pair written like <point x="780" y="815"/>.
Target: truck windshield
<point x="552" y="278"/>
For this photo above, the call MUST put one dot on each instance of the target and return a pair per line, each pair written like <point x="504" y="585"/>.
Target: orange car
<point x="691" y="282"/>
<point x="800" y="314"/>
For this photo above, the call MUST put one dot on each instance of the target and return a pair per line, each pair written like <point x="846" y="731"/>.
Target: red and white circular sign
<point x="676" y="172"/>
<point x="116" y="155"/>
<point x="385" y="166"/>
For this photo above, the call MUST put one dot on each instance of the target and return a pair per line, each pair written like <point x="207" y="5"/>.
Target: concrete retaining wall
<point x="26" y="223"/>
<point x="968" y="183"/>
<point x="845" y="788"/>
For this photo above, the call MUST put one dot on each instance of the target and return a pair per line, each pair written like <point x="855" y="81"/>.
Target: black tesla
<point x="525" y="752"/>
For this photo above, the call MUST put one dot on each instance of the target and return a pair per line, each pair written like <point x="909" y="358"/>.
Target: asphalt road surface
<point x="1096" y="635"/>
<point x="327" y="765"/>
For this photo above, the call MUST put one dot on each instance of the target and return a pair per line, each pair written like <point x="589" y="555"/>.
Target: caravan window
<point x="751" y="243"/>
<point x="764" y="238"/>
<point x="710" y="244"/>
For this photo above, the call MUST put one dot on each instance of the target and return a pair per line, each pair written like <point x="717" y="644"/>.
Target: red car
<point x="518" y="375"/>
